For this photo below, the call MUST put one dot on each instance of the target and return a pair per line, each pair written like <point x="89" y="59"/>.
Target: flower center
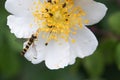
<point x="59" y="18"/>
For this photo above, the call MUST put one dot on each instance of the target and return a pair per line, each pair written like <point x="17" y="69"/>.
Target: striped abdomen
<point x="30" y="41"/>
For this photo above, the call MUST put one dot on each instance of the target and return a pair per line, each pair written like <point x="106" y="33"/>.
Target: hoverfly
<point x="30" y="42"/>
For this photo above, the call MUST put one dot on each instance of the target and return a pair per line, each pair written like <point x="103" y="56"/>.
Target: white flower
<point x="61" y="23"/>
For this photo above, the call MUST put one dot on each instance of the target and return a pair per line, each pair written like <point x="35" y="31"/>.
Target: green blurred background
<point x="104" y="64"/>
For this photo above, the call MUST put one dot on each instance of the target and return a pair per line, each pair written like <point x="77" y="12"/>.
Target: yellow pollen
<point x="59" y="19"/>
<point x="73" y="40"/>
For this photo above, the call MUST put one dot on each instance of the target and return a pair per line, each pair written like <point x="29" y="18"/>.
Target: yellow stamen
<point x="73" y="40"/>
<point x="59" y="18"/>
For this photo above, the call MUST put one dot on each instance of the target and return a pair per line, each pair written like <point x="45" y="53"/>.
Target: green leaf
<point x="9" y="62"/>
<point x="14" y="43"/>
<point x="117" y="56"/>
<point x="94" y="65"/>
<point x="114" y="22"/>
<point x="107" y="47"/>
<point x="40" y="72"/>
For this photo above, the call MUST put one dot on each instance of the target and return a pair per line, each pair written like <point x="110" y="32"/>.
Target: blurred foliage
<point x="117" y="55"/>
<point x="114" y="22"/>
<point x="104" y="64"/>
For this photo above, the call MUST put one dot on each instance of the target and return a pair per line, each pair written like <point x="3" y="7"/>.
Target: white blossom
<point x="68" y="40"/>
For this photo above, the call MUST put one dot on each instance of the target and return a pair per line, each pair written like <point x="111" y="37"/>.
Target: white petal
<point x="20" y="26"/>
<point x="55" y="52"/>
<point x="57" y="55"/>
<point x="85" y="44"/>
<point x="19" y="7"/>
<point x="32" y="55"/>
<point x="95" y="11"/>
<point x="72" y="58"/>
